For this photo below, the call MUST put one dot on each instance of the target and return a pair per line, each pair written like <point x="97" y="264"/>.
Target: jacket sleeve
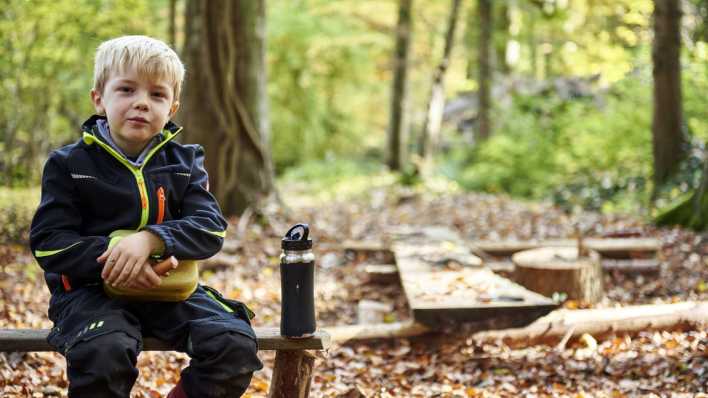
<point x="200" y="231"/>
<point x="55" y="237"/>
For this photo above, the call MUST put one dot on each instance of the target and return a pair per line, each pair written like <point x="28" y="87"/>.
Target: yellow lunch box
<point x="178" y="286"/>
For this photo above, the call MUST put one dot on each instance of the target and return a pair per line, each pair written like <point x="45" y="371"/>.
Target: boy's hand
<point x="151" y="274"/>
<point x="146" y="278"/>
<point x="125" y="260"/>
<point x="164" y="267"/>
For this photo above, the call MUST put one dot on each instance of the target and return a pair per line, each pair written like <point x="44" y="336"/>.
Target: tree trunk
<point x="668" y="137"/>
<point x="501" y="37"/>
<point x="225" y="99"/>
<point x="399" y="123"/>
<point x="433" y="117"/>
<point x="171" y="24"/>
<point x="691" y="209"/>
<point x="485" y="42"/>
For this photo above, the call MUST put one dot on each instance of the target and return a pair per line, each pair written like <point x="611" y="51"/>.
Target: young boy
<point x="127" y="172"/>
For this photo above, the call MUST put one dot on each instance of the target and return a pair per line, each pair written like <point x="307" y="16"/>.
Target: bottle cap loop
<point x="297" y="238"/>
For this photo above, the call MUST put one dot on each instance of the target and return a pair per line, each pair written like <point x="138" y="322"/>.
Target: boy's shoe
<point x="177" y="392"/>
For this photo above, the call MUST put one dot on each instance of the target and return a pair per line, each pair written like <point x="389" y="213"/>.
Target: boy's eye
<point x="125" y="89"/>
<point x="159" y="94"/>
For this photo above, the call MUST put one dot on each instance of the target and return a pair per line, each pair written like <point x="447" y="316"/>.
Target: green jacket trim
<point x="226" y="307"/>
<point x="47" y="253"/>
<point x="220" y="234"/>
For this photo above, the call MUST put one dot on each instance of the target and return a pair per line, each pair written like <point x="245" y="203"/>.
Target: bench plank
<point x="268" y="339"/>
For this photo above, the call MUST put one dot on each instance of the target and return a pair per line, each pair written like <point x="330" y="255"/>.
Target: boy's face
<point x="136" y="107"/>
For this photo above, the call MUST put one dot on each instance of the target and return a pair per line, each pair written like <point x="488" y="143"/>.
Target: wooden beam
<point x="381" y="273"/>
<point x="346" y="333"/>
<point x="627" y="266"/>
<point x="268" y="339"/>
<point x="633" y="266"/>
<point x="610" y="248"/>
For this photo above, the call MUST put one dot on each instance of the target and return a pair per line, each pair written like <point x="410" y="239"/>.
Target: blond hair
<point x="147" y="56"/>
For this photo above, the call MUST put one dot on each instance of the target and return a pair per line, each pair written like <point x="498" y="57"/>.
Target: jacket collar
<point x="90" y="126"/>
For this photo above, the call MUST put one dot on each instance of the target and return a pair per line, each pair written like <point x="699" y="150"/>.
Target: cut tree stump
<point x="558" y="269"/>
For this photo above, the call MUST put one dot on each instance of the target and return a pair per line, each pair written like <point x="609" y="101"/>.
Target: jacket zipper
<point x="160" y="205"/>
<point x="137" y="171"/>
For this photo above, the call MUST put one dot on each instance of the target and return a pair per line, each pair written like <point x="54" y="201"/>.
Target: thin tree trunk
<point x="171" y="24"/>
<point x="433" y="117"/>
<point x="502" y="36"/>
<point x="533" y="46"/>
<point x="485" y="76"/>
<point x="668" y="138"/>
<point x="225" y="98"/>
<point x="399" y="123"/>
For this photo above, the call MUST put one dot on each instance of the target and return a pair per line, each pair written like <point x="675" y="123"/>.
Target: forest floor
<point x="670" y="363"/>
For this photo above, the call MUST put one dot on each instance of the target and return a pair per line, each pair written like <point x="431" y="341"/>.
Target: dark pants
<point x="101" y="338"/>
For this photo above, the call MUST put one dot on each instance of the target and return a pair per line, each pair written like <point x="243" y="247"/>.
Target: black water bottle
<point x="297" y="277"/>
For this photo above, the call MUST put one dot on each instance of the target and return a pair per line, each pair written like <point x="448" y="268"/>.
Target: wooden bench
<point x="292" y="371"/>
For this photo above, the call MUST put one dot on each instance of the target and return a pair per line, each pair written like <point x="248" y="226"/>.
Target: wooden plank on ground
<point x="627" y="266"/>
<point x="444" y="283"/>
<point x="607" y="247"/>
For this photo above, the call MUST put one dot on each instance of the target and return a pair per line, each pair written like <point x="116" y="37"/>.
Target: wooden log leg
<point x="292" y="374"/>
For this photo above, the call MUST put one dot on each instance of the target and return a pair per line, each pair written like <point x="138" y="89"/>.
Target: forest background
<point x="570" y="83"/>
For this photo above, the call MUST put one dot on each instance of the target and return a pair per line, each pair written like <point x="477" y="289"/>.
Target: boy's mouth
<point x="138" y="120"/>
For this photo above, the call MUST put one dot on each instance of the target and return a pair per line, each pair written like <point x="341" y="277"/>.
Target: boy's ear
<point x="174" y="108"/>
<point x="97" y="102"/>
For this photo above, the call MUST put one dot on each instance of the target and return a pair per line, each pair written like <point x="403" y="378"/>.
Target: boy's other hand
<point x="164" y="267"/>
<point x="147" y="278"/>
<point x="124" y="261"/>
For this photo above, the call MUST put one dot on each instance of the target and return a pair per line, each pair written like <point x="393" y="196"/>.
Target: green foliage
<point x="321" y="78"/>
<point x="318" y="181"/>
<point x="577" y="152"/>
<point x="46" y="71"/>
<point x="581" y="153"/>
<point x="17" y="207"/>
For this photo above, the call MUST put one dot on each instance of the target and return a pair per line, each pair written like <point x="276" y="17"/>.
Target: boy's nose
<point x="141" y="102"/>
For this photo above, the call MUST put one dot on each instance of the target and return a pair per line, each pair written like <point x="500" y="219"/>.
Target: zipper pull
<point x="160" y="205"/>
<point x="143" y="196"/>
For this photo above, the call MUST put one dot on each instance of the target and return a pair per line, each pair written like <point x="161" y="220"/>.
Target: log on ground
<point x="600" y="322"/>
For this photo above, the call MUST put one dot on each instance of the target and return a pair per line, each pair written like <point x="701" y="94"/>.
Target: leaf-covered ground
<point x="671" y="363"/>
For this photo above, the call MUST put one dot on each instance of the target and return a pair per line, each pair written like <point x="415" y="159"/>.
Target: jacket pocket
<point x="238" y="308"/>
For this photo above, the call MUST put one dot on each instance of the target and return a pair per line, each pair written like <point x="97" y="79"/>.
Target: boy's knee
<point x="104" y="354"/>
<point x="230" y="351"/>
<point x="223" y="366"/>
<point x="103" y="365"/>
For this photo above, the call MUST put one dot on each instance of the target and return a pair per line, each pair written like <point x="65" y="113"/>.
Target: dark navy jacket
<point x="89" y="191"/>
